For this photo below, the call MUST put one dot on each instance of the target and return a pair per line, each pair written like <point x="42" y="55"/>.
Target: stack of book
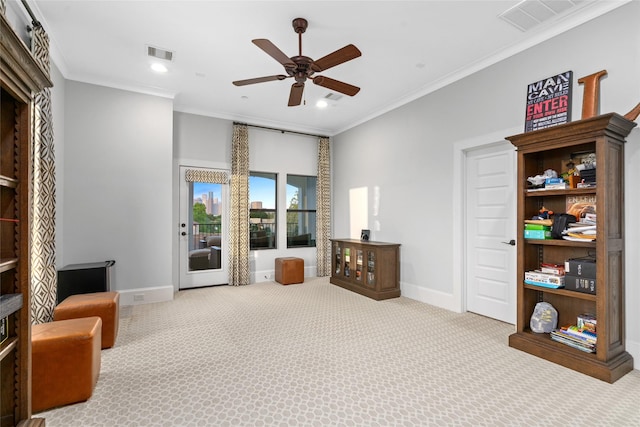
<point x="578" y="338"/>
<point x="580" y="232"/>
<point x="546" y="280"/>
<point x="537" y="231"/>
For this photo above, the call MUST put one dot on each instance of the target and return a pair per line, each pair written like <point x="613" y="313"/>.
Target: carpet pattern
<point x="315" y="354"/>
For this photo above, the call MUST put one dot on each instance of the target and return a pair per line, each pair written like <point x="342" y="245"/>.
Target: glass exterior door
<point x="202" y="233"/>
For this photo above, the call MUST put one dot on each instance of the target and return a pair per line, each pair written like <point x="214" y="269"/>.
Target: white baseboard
<point x="146" y="295"/>
<point x="429" y="296"/>
<point x="633" y="348"/>
<point x="270" y="275"/>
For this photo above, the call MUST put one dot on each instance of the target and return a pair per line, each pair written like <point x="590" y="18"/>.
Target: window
<point x="262" y="210"/>
<point x="301" y="211"/>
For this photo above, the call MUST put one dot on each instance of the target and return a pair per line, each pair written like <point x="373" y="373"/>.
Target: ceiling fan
<point x="302" y="67"/>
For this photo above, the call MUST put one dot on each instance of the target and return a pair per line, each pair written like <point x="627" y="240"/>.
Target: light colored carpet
<point x="314" y="354"/>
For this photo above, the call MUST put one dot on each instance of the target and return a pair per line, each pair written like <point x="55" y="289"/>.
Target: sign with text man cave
<point x="549" y="102"/>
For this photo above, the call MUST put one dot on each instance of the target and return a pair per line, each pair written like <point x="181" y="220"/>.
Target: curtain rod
<point x="280" y="130"/>
<point x="34" y="20"/>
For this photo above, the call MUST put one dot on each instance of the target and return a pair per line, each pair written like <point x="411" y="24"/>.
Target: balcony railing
<point x="200" y="232"/>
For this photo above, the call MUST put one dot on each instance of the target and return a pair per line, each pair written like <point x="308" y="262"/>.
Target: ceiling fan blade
<point x="345" y="54"/>
<point x="295" y="97"/>
<point x="336" y="85"/>
<point x="259" y="80"/>
<point x="273" y="51"/>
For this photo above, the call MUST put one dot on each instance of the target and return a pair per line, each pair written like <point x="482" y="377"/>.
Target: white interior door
<point x="203" y="232"/>
<point x="490" y="256"/>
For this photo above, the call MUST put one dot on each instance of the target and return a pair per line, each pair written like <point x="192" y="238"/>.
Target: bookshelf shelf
<point x="550" y="148"/>
<point x="558" y="242"/>
<point x="570" y="294"/>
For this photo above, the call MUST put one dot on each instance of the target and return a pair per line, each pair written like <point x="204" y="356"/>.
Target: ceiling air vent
<point x="159" y="53"/>
<point x="529" y="13"/>
<point x="333" y="96"/>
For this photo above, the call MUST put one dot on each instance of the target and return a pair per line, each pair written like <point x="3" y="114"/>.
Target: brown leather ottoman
<point x="65" y="361"/>
<point x="289" y="270"/>
<point x="106" y="305"/>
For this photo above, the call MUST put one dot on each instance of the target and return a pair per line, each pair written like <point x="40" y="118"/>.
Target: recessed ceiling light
<point x="159" y="68"/>
<point x="322" y="103"/>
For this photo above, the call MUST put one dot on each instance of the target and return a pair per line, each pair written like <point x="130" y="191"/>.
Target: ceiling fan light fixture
<point x="302" y="68"/>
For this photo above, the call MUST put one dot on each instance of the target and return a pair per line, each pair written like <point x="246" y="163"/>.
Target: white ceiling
<point x="409" y="48"/>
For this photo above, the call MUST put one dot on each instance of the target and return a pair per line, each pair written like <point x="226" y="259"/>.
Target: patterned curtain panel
<point x="239" y="216"/>
<point x="323" y="210"/>
<point x="43" y="195"/>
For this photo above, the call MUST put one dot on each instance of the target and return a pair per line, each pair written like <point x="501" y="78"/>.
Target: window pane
<point x="301" y="192"/>
<point x="301" y="229"/>
<point x="301" y="211"/>
<point x="262" y="190"/>
<point x="263" y="213"/>
<point x="205" y="242"/>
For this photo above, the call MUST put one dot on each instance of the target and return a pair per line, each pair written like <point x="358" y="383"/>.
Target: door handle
<point x="510" y="242"/>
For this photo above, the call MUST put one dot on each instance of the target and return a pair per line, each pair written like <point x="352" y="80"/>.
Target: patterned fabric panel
<point x="213" y="177"/>
<point x="239" y="215"/>
<point x="323" y="211"/>
<point x="43" y="195"/>
<point x="40" y="48"/>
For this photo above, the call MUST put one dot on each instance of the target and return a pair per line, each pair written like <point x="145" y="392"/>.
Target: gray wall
<point x="57" y="106"/>
<point x="404" y="159"/>
<point x="206" y="142"/>
<point x="116" y="185"/>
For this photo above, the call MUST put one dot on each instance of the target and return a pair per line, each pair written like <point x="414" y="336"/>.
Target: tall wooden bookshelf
<point x="20" y="79"/>
<point x="549" y="149"/>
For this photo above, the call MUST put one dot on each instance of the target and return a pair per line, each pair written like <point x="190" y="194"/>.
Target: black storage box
<point x="84" y="279"/>
<point x="579" y="283"/>
<point x="580" y="275"/>
<point x="581" y="267"/>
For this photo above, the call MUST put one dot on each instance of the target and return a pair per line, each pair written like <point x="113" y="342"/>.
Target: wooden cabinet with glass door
<point x="368" y="268"/>
<point x="602" y="139"/>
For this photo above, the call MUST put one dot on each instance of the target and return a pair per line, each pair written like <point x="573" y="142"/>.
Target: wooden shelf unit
<point x="368" y="268"/>
<point x="20" y="78"/>
<point x="550" y="149"/>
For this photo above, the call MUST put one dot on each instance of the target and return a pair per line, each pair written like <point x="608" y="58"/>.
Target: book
<point x="537" y="227"/>
<point x="580" y="206"/>
<point x="543" y="284"/>
<point x="568" y="340"/>
<point x="538" y="276"/>
<point x="582" y="334"/>
<point x="552" y="268"/>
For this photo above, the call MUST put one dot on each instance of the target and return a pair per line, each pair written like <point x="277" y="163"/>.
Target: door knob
<point x="510" y="242"/>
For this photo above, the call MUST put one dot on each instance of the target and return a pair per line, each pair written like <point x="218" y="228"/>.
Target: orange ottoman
<point x="106" y="305"/>
<point x="65" y="361"/>
<point x="289" y="270"/>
